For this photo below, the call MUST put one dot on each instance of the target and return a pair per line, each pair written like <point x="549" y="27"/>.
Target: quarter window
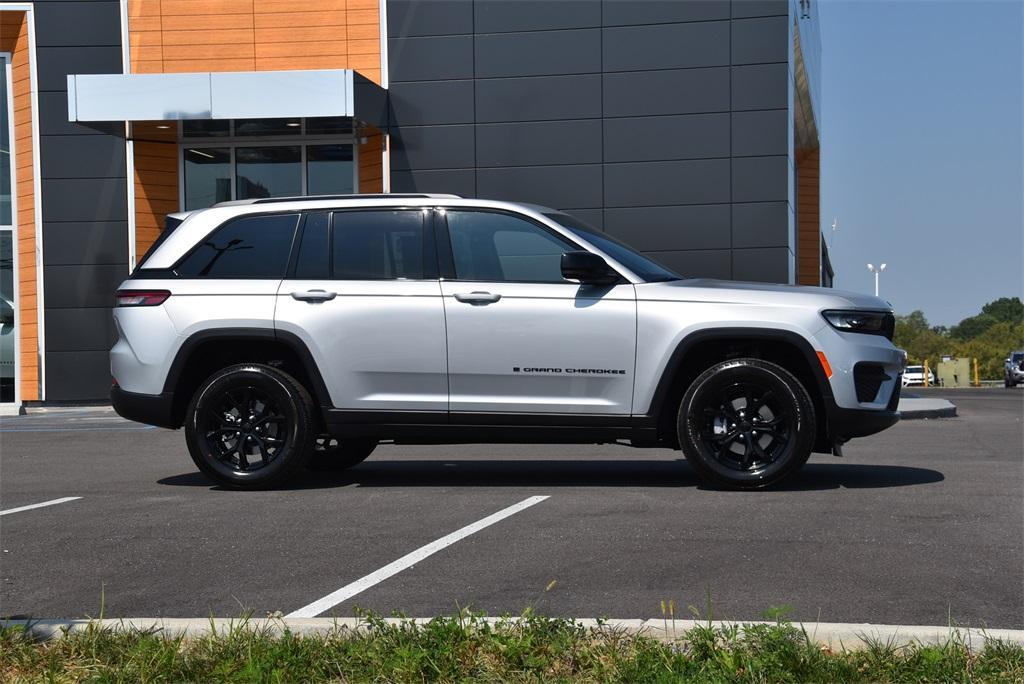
<point x="249" y="247"/>
<point x="377" y="245"/>
<point x="501" y="248"/>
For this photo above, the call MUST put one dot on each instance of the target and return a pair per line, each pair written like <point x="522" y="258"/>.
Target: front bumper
<point x="845" y="424"/>
<point x="151" y="409"/>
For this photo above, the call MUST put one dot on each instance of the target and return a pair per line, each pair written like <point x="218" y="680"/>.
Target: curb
<point x="850" y="636"/>
<point x="917" y="409"/>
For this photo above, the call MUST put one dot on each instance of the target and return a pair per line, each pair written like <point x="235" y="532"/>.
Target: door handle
<point x="477" y="298"/>
<point x="314" y="296"/>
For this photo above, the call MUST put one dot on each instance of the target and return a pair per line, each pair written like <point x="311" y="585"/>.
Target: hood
<point x="762" y="293"/>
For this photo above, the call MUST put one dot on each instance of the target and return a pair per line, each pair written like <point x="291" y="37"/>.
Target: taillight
<point x="141" y="297"/>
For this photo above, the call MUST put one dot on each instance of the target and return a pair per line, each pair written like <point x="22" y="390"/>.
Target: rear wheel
<point x="250" y="427"/>
<point x="331" y="453"/>
<point x="746" y="424"/>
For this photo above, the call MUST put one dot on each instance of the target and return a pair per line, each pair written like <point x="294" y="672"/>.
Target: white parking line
<point x="52" y="502"/>
<point x="408" y="560"/>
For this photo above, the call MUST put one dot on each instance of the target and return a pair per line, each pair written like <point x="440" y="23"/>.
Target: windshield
<point x="1018" y="357"/>
<point x="649" y="271"/>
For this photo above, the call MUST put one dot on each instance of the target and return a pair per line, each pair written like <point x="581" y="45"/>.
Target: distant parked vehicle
<point x="1013" y="369"/>
<point x="914" y="375"/>
<point x="6" y="350"/>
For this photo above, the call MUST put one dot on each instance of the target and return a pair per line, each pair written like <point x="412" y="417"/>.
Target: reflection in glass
<point x="268" y="171"/>
<point x="7" y="322"/>
<point x="5" y="150"/>
<point x="250" y="127"/>
<point x="207" y="176"/>
<point x="329" y="125"/>
<point x="329" y="169"/>
<point x="206" y="128"/>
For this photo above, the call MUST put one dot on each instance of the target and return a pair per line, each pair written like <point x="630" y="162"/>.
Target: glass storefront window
<point x="207" y="176"/>
<point x="236" y="159"/>
<point x="7" y="323"/>
<point x="329" y="169"/>
<point x="206" y="128"/>
<point x="251" y="127"/>
<point x="5" y="150"/>
<point x="268" y="171"/>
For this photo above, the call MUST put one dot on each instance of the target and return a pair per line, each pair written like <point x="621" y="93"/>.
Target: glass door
<point x="8" y="298"/>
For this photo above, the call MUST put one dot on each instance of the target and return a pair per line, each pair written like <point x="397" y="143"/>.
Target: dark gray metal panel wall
<point x="665" y="123"/>
<point x="84" y="199"/>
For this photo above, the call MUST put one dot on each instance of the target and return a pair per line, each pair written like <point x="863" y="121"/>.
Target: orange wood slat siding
<point x="808" y="220"/>
<point x="156" y="181"/>
<point x="254" y="35"/>
<point x="14" y="39"/>
<point x="371" y="166"/>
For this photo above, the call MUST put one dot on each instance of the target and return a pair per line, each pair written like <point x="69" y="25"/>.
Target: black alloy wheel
<point x="746" y="424"/>
<point x="245" y="428"/>
<point x="250" y="426"/>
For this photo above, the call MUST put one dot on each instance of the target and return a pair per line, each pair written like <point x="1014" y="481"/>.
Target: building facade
<point x="687" y="128"/>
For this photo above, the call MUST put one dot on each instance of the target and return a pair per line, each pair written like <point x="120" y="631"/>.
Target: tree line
<point x="988" y="336"/>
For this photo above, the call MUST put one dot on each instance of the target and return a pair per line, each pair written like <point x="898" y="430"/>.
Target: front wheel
<point x="746" y="424"/>
<point x="250" y="427"/>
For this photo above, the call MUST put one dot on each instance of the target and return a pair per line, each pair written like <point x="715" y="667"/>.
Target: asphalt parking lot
<point x="916" y="525"/>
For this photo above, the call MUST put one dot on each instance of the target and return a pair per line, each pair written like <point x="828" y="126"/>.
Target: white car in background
<point x="914" y="375"/>
<point x="6" y="349"/>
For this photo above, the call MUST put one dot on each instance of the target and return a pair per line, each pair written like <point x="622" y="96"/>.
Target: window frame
<point x="446" y="256"/>
<point x="233" y="141"/>
<point x="429" y="246"/>
<point x="291" y="249"/>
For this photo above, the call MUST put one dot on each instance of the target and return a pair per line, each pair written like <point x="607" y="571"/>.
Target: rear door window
<point x="248" y="247"/>
<point x="377" y="245"/>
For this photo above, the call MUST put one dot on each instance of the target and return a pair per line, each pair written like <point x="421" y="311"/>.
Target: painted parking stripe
<point x="408" y="560"/>
<point x="52" y="502"/>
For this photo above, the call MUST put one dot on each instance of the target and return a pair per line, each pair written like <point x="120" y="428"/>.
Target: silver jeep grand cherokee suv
<point x="286" y="332"/>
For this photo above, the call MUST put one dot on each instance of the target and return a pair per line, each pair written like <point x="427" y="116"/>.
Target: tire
<point x="720" y="439"/>
<point x="332" y="454"/>
<point x="278" y="430"/>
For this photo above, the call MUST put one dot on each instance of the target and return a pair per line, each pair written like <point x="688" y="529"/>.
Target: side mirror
<point x="587" y="268"/>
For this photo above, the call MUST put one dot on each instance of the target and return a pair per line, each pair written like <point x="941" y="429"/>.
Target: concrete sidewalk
<point x="850" y="636"/>
<point x="912" y="408"/>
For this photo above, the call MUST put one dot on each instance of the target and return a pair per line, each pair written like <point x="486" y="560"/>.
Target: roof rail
<point x="320" y="198"/>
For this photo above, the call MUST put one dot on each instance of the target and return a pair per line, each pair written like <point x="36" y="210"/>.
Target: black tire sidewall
<point x="293" y="400"/>
<point x="788" y="390"/>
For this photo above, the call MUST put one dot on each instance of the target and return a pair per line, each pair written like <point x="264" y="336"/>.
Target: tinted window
<point x="314" y="259"/>
<point x="249" y="247"/>
<point x="650" y="271"/>
<point x="378" y="245"/>
<point x="502" y="248"/>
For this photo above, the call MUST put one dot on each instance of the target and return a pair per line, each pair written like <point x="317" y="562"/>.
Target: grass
<point x="466" y="648"/>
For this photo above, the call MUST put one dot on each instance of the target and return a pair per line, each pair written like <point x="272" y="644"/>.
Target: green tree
<point x="973" y="326"/>
<point x="1005" y="309"/>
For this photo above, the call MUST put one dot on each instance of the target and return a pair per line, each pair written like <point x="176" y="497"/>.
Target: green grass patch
<point x="465" y="648"/>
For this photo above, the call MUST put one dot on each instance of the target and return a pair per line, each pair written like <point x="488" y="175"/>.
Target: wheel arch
<point x="700" y="349"/>
<point x="206" y="351"/>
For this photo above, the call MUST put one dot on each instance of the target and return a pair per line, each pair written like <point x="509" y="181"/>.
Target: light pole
<point x="876" y="271"/>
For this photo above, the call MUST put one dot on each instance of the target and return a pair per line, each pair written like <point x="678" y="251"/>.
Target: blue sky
<point x="922" y="150"/>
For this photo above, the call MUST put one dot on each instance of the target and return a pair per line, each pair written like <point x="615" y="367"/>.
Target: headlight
<point x="867" y="322"/>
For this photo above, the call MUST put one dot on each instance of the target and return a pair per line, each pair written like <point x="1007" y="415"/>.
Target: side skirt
<point x="438" y="427"/>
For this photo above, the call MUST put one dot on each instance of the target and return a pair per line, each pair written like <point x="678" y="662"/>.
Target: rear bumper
<point x="152" y="409"/>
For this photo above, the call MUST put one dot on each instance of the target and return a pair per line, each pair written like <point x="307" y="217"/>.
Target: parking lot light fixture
<point x="876" y="271"/>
